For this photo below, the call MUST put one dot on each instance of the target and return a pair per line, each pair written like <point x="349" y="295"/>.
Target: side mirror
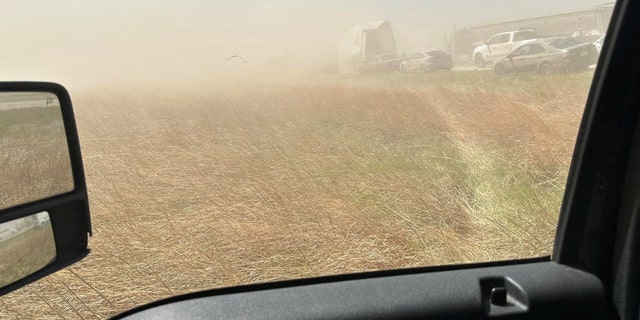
<point x="44" y="209"/>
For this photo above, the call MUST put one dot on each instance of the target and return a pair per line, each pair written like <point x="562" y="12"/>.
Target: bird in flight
<point x="236" y="57"/>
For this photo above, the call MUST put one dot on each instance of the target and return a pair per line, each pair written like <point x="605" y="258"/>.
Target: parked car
<point x="598" y="43"/>
<point x="500" y="45"/>
<point x="548" y="56"/>
<point x="426" y="60"/>
<point x="380" y="64"/>
<point x="41" y="219"/>
<point x="578" y="55"/>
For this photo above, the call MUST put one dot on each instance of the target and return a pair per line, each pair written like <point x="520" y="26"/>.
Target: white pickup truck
<point x="500" y="45"/>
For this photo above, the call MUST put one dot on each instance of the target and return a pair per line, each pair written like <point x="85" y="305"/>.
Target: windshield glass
<point x="566" y="43"/>
<point x="236" y="142"/>
<point x="524" y="35"/>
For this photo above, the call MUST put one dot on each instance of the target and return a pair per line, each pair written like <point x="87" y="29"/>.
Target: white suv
<point x="500" y="45"/>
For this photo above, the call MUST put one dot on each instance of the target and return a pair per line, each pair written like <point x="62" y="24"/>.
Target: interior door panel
<point x="542" y="290"/>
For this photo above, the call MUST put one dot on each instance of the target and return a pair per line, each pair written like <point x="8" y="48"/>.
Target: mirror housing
<point x="68" y="209"/>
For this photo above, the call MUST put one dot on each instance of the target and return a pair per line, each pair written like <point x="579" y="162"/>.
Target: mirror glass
<point x="34" y="163"/>
<point x="26" y="246"/>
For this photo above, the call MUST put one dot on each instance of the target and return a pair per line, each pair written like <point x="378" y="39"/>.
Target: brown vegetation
<point x="191" y="191"/>
<point x="35" y="160"/>
<point x="26" y="253"/>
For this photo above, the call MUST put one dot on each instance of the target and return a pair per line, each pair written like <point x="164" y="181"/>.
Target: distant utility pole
<point x="517" y="5"/>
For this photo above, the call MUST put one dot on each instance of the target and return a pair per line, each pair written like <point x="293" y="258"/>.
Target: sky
<point x="106" y="41"/>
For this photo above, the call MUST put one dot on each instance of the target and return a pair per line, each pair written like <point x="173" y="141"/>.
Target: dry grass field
<point x="26" y="253"/>
<point x="217" y="186"/>
<point x="34" y="162"/>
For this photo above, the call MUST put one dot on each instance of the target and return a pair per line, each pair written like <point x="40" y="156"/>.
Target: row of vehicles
<point x="13" y="228"/>
<point x="422" y="60"/>
<point x="371" y="48"/>
<point x="522" y="51"/>
<point x="504" y="53"/>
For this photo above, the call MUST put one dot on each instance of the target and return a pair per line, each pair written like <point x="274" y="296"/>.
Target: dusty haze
<point x="80" y="43"/>
<point x="206" y="173"/>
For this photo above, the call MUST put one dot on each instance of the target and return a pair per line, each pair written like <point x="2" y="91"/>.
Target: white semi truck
<point x="364" y="42"/>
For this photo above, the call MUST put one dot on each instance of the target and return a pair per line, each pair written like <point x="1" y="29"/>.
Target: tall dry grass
<point x="34" y="163"/>
<point x="26" y="253"/>
<point x="194" y="189"/>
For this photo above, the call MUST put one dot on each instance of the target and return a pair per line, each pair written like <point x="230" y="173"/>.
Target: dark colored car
<point x="380" y="64"/>
<point x="549" y="56"/>
<point x="578" y="55"/>
<point x="427" y="60"/>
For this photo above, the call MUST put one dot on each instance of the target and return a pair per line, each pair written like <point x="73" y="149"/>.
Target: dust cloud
<point x="80" y="43"/>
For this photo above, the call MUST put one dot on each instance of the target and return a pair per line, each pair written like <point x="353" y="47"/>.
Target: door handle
<point x="502" y="296"/>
